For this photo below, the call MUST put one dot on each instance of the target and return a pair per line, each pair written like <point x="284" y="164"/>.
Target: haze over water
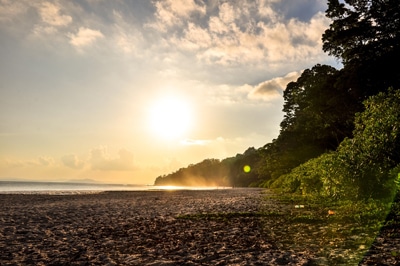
<point x="26" y="187"/>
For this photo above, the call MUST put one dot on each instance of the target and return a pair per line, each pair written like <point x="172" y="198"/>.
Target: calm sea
<point x="60" y="188"/>
<point x="64" y="187"/>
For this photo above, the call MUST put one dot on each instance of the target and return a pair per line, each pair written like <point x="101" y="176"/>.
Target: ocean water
<point x="61" y="188"/>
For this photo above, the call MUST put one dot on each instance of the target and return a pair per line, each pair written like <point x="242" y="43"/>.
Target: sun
<point x="170" y="117"/>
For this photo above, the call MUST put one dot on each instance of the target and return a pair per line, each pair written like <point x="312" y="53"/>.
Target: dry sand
<point x="141" y="228"/>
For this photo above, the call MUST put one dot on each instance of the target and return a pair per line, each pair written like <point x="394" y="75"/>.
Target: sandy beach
<point x="135" y="228"/>
<point x="142" y="228"/>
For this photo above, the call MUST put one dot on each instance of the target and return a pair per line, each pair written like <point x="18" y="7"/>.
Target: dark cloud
<point x="269" y="88"/>
<point x="302" y="10"/>
<point x="273" y="88"/>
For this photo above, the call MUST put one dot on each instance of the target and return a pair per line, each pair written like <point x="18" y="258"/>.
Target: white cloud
<point x="46" y="160"/>
<point x="127" y="37"/>
<point x="84" y="37"/>
<point x="125" y="42"/>
<point x="184" y="8"/>
<point x="227" y="13"/>
<point x="10" y="9"/>
<point x="40" y="30"/>
<point x="170" y="13"/>
<point x="217" y="26"/>
<point x="195" y="38"/>
<point x="41" y="161"/>
<point x="101" y="160"/>
<point x="272" y="89"/>
<point x="50" y="14"/>
<point x="293" y="40"/>
<point x="249" y="33"/>
<point x="72" y="161"/>
<point x="225" y="94"/>
<point x="265" y="9"/>
<point x="51" y="19"/>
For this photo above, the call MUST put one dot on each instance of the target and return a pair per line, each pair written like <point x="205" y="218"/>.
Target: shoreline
<point x="169" y="227"/>
<point x="65" y="188"/>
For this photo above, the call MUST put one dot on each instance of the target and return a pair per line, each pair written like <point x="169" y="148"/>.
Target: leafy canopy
<point x="364" y="166"/>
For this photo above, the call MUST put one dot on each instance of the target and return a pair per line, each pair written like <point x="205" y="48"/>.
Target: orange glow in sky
<point x="125" y="91"/>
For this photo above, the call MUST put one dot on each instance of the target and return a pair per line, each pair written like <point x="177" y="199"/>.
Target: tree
<point x="375" y="148"/>
<point x="317" y="109"/>
<point x="365" y="166"/>
<point x="362" y="29"/>
<point x="319" y="114"/>
<point x="365" y="35"/>
<point x="209" y="172"/>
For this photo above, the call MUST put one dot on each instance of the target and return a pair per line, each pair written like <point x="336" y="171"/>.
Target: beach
<point x="182" y="227"/>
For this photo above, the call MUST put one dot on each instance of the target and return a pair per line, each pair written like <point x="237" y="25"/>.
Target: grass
<point x="227" y="216"/>
<point x="339" y="237"/>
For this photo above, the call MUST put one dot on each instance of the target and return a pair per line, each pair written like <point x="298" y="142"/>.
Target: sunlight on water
<point x="186" y="188"/>
<point x="61" y="188"/>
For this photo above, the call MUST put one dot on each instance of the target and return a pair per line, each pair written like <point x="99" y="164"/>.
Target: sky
<point x="124" y="91"/>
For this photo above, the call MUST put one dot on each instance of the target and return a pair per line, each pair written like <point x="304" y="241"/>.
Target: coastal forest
<point x="340" y="135"/>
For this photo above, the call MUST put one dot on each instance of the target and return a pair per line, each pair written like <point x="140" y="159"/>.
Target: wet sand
<point x="143" y="228"/>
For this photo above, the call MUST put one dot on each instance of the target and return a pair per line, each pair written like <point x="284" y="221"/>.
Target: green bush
<point x="363" y="167"/>
<point x="374" y="150"/>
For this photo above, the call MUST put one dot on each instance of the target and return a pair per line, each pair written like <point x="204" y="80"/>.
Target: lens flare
<point x="247" y="169"/>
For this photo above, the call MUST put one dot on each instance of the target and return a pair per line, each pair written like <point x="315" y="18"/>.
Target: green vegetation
<point x="227" y="216"/>
<point x="341" y="238"/>
<point x="362" y="167"/>
<point x="212" y="172"/>
<point x="340" y="136"/>
<point x="337" y="232"/>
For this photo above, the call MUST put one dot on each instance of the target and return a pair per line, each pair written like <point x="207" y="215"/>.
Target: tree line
<point x="340" y="133"/>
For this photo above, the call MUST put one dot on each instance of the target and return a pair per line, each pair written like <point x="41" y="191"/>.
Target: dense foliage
<point x="365" y="36"/>
<point x="340" y="134"/>
<point x="362" y="167"/>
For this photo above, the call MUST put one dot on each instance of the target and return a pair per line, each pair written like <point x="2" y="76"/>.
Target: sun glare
<point x="170" y="117"/>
